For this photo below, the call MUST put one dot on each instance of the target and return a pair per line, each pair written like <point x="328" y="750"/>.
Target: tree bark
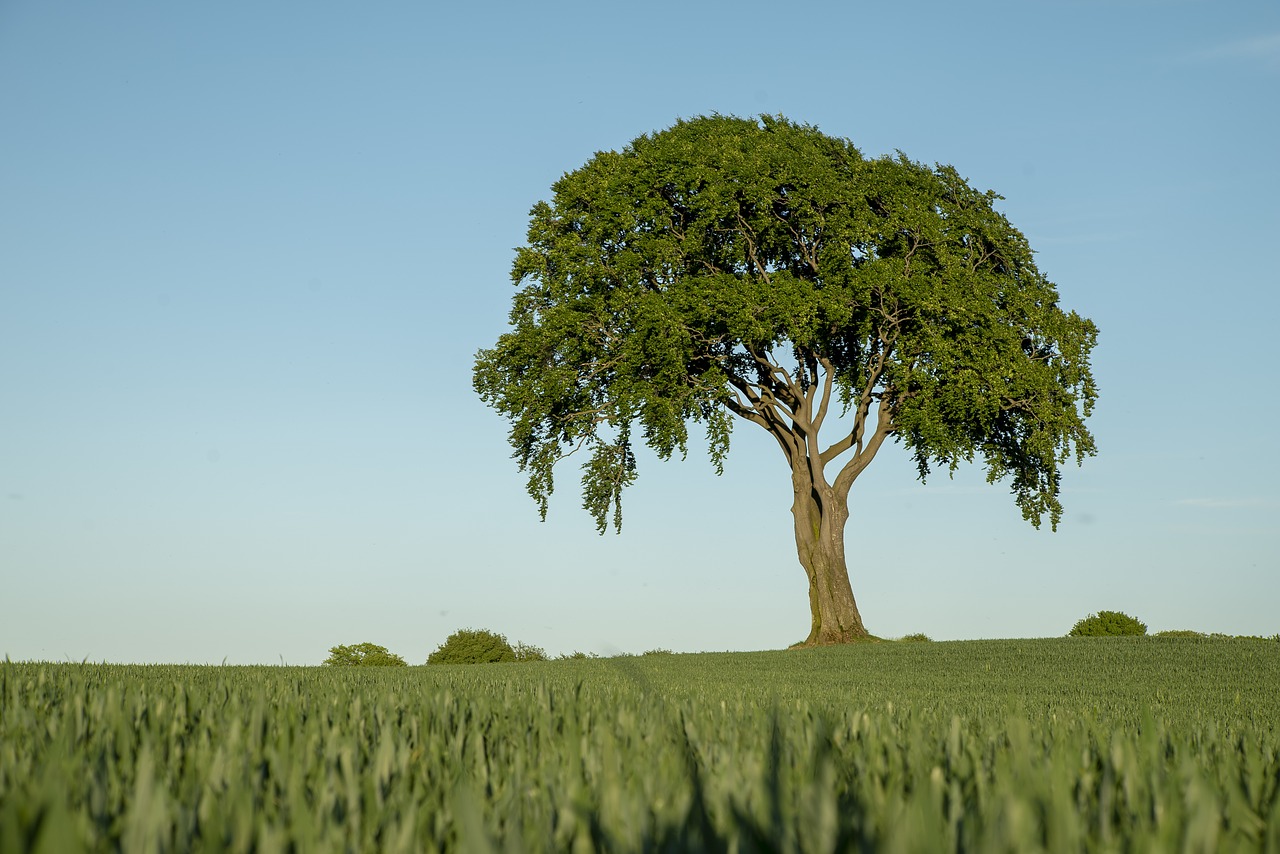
<point x="820" y="513"/>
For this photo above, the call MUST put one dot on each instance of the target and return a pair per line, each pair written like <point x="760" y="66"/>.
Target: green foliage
<point x="917" y="637"/>
<point x="1187" y="633"/>
<point x="528" y="652"/>
<point x="363" y="655"/>
<point x="764" y="270"/>
<point x="1029" y="745"/>
<point x="658" y="651"/>
<point x="473" y="646"/>
<point x="1108" y="624"/>
<point x="577" y="655"/>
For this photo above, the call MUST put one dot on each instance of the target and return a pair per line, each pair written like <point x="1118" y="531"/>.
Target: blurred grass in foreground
<point x="1069" y="744"/>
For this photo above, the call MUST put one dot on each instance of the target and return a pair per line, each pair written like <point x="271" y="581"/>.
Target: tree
<point x="1107" y="624"/>
<point x="526" y="652"/>
<point x="473" y="646"/>
<point x="762" y="270"/>
<point x="363" y="655"/>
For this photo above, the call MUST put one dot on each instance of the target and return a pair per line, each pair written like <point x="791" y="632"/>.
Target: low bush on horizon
<point x="1108" y="624"/>
<point x="481" y="646"/>
<point x="363" y="655"/>
<point x="473" y="646"/>
<point x="528" y="652"/>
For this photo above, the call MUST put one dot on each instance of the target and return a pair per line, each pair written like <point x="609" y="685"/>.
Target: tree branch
<point x="828" y="383"/>
<point x="808" y="252"/>
<point x="759" y="411"/>
<point x="778" y="382"/>
<point x="853" y="468"/>
<point x="855" y="436"/>
<point x="745" y="231"/>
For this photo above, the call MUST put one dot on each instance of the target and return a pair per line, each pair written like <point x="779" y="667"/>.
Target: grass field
<point x="1075" y="744"/>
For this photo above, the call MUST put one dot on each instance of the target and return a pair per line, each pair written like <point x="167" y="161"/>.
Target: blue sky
<point x="248" y="252"/>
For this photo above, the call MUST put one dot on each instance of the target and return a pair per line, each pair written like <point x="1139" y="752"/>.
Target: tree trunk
<point x="820" y="515"/>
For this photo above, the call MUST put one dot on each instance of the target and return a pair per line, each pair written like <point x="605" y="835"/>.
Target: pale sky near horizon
<point x="249" y="250"/>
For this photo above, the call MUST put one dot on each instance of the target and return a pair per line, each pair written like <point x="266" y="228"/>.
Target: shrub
<point x="529" y="652"/>
<point x="1179" y="633"/>
<point x="659" y="651"/>
<point x="576" y="654"/>
<point x="1108" y="624"/>
<point x="363" y="655"/>
<point x="917" y="637"/>
<point x="473" y="646"/>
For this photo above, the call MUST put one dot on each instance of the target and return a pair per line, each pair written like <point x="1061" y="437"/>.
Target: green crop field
<point x="1077" y="744"/>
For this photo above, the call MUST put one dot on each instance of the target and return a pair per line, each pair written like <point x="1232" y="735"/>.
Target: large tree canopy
<point x="760" y="269"/>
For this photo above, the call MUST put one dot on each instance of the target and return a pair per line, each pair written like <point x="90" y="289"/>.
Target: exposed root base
<point x="836" y="641"/>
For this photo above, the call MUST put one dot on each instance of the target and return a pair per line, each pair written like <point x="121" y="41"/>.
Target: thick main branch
<point x="884" y="428"/>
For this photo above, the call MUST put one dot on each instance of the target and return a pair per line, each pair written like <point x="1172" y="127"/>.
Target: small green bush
<point x="1108" y="624"/>
<point x="1179" y="633"/>
<point x="658" y="651"/>
<point x="363" y="655"/>
<point x="529" y="652"/>
<point x="473" y="646"/>
<point x="576" y="655"/>
<point x="917" y="637"/>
